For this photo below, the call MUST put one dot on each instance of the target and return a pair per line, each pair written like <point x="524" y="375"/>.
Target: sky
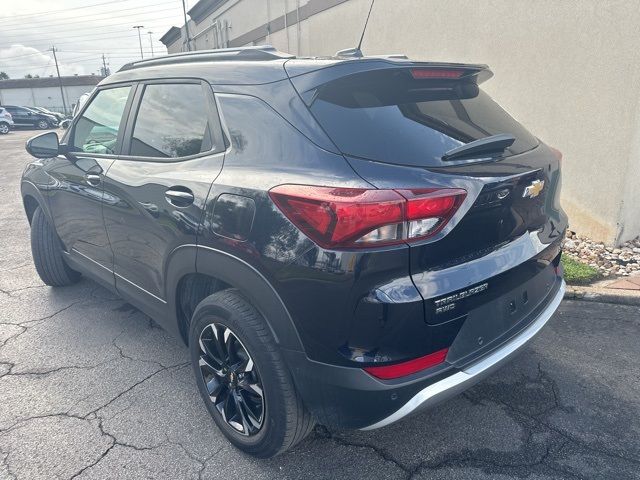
<point x="81" y="30"/>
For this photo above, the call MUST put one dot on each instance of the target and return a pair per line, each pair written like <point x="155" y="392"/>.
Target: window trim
<point x="214" y="123"/>
<point x="69" y="137"/>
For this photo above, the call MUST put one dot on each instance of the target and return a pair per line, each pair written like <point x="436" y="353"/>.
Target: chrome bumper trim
<point x="475" y="372"/>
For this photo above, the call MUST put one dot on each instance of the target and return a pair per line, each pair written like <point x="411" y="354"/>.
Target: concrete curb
<point x="602" y="295"/>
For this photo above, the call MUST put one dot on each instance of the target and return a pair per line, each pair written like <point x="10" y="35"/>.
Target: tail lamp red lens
<point x="356" y="218"/>
<point x="397" y="370"/>
<point x="435" y="73"/>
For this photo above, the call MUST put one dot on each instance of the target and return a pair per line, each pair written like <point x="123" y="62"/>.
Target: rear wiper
<point x="482" y="148"/>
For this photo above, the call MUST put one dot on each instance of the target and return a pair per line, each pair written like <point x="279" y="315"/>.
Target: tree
<point x="28" y="75"/>
<point x="4" y="76"/>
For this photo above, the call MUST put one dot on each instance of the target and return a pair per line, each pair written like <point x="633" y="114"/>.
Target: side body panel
<point x="77" y="208"/>
<point x="144" y="219"/>
<point x="330" y="295"/>
<point x="144" y="227"/>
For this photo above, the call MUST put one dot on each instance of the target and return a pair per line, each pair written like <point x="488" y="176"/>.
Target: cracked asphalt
<point x="92" y="388"/>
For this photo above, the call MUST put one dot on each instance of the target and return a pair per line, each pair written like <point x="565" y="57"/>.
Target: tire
<point x="284" y="421"/>
<point x="4" y="128"/>
<point x="46" y="249"/>
<point x="42" y="124"/>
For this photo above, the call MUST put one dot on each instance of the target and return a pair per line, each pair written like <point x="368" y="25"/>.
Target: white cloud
<point x="19" y="60"/>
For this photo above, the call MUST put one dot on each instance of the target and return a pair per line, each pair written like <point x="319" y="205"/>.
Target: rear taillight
<point x="388" y="372"/>
<point x="356" y="218"/>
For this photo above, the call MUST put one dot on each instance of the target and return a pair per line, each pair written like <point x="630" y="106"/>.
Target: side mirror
<point x="46" y="145"/>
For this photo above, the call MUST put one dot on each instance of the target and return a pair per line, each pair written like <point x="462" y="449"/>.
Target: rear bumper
<point x="475" y="372"/>
<point x="346" y="397"/>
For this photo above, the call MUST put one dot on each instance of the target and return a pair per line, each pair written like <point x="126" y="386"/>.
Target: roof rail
<point x="258" y="52"/>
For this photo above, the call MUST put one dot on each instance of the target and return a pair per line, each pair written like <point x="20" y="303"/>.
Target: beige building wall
<point x="568" y="70"/>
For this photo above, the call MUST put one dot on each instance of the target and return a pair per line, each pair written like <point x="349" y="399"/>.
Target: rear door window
<point x="96" y="131"/>
<point x="391" y="117"/>
<point x="172" y="122"/>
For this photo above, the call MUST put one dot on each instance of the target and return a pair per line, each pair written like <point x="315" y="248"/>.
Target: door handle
<point x="93" y="179"/>
<point x="179" y="196"/>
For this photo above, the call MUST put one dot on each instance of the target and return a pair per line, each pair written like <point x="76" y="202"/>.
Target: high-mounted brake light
<point x="424" y="73"/>
<point x="336" y="217"/>
<point x="397" y="370"/>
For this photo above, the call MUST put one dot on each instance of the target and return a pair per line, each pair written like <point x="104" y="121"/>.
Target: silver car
<point x="6" y="121"/>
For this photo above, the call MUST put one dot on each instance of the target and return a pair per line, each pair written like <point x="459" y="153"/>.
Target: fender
<point x="28" y="188"/>
<point x="239" y="274"/>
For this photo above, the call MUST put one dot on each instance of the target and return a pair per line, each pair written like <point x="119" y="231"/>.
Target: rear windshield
<point x="390" y="117"/>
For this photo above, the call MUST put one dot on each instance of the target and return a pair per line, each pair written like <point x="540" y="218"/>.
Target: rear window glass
<point x="390" y="117"/>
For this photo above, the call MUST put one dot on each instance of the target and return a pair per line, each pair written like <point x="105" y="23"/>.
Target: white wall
<point x="46" y="97"/>
<point x="568" y="70"/>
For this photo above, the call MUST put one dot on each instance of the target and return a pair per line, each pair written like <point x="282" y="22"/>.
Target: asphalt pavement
<point x="92" y="388"/>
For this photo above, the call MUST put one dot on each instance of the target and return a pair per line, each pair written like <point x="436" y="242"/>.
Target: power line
<point x="61" y="39"/>
<point x="69" y="33"/>
<point x="21" y="56"/>
<point x="47" y="21"/>
<point x="95" y="16"/>
<point x="124" y="52"/>
<point x="109" y="34"/>
<point x="119" y="35"/>
<point x="50" y="12"/>
<point x="99" y="50"/>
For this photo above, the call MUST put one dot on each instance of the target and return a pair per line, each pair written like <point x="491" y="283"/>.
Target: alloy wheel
<point x="4" y="128"/>
<point x="231" y="379"/>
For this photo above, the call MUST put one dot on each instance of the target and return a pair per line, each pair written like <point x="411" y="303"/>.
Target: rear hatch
<point x="407" y="125"/>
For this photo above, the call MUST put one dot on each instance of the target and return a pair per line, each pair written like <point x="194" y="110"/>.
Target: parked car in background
<point x="24" y="117"/>
<point x="6" y="122"/>
<point x="76" y="108"/>
<point x="341" y="240"/>
<point x="58" y="115"/>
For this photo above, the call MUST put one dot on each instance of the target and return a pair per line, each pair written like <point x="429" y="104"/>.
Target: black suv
<point x="337" y="240"/>
<point x="25" y="117"/>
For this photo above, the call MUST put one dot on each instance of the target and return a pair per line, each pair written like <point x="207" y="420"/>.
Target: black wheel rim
<point x="231" y="379"/>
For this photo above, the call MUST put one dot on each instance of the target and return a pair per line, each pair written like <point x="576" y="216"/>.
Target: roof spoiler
<point x="307" y="77"/>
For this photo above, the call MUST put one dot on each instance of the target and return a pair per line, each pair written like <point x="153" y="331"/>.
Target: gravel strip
<point x="623" y="260"/>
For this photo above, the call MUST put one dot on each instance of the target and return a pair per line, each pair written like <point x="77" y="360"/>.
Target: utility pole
<point x="140" y="39"/>
<point x="55" y="58"/>
<point x="151" y="43"/>
<point x="105" y="70"/>
<point x="186" y="25"/>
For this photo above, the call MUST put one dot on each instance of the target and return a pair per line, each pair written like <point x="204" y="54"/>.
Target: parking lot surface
<point x="92" y="388"/>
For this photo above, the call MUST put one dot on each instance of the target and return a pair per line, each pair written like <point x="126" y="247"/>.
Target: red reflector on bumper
<point x="403" y="369"/>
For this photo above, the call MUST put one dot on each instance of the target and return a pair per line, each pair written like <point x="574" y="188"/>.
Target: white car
<point x="76" y="108"/>
<point x="6" y="121"/>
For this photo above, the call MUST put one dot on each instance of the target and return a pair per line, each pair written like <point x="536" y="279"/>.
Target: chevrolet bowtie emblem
<point x="533" y="190"/>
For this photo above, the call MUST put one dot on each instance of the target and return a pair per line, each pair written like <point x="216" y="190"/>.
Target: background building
<point x="570" y="71"/>
<point x="45" y="92"/>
